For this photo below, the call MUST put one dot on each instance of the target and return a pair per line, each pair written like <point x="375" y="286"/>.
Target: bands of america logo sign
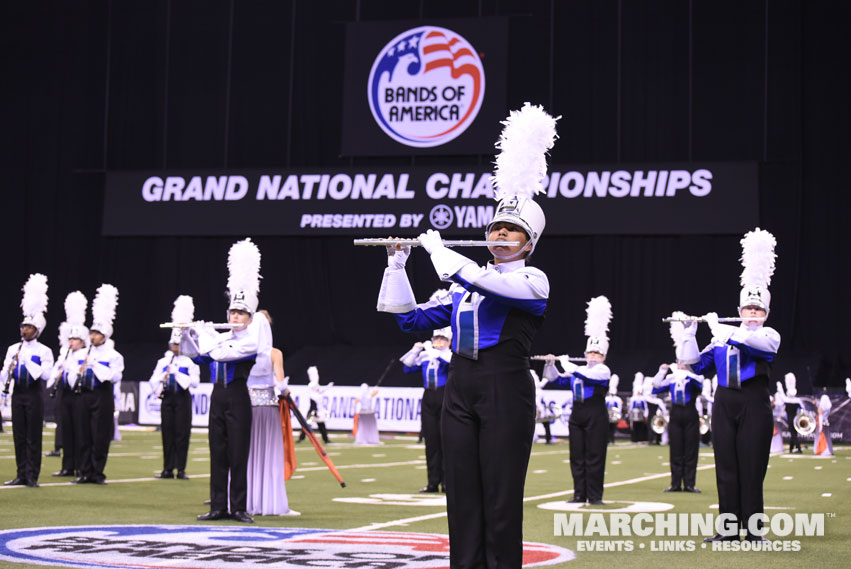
<point x="426" y="86"/>
<point x="122" y="547"/>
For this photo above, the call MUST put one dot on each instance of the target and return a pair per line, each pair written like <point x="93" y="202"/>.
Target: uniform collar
<point x="507" y="267"/>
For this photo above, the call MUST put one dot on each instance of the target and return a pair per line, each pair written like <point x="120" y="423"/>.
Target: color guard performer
<point x="101" y="367"/>
<point x="742" y="422"/>
<point x="173" y="376"/>
<point x="823" y="440"/>
<point x="74" y="335"/>
<point x="589" y="421"/>
<point x="231" y="356"/>
<point x="489" y="406"/>
<point x="432" y="359"/>
<point x="26" y="365"/>
<point x="317" y="412"/>
<point x="367" y="424"/>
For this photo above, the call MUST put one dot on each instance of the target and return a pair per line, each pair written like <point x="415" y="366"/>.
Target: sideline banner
<point x="624" y="199"/>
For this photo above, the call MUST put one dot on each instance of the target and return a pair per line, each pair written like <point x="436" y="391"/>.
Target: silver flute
<point x="569" y="358"/>
<point x="725" y="319"/>
<point x="446" y="242"/>
<point x="226" y="326"/>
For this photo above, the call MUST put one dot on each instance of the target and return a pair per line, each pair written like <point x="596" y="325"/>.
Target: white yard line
<point x="406" y="521"/>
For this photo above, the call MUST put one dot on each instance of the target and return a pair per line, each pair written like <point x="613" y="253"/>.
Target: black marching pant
<point x="230" y="439"/>
<point x="639" y="431"/>
<point x="684" y="438"/>
<point x="176" y="414"/>
<point x="742" y="427"/>
<point x="791" y="412"/>
<point x="319" y="424"/>
<point x="589" y="433"/>
<point x="430" y="416"/>
<point x="67" y="409"/>
<point x="95" y="429"/>
<point x="487" y="426"/>
<point x="27" y="424"/>
<point x="613" y="428"/>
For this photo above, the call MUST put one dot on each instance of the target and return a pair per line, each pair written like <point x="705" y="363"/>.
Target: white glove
<point x="396" y="259"/>
<point x="848" y="386"/>
<point x="711" y="319"/>
<point x="690" y="328"/>
<point x="431" y="241"/>
<point x="665" y="367"/>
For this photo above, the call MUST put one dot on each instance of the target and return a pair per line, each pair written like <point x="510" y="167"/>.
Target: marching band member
<point x="684" y="426"/>
<point x="704" y="410"/>
<point x="655" y="406"/>
<point x="173" y="377"/>
<point x="614" y="406"/>
<point x="791" y="403"/>
<point x="266" y="489"/>
<point x="489" y="406"/>
<point x="101" y="367"/>
<point x="433" y="362"/>
<point x="544" y="413"/>
<point x="742" y="357"/>
<point x="231" y="357"/>
<point x="589" y="420"/>
<point x="73" y="334"/>
<point x="639" y="413"/>
<point x="27" y="363"/>
<point x="367" y="425"/>
<point x="824" y="443"/>
<point x="317" y="411"/>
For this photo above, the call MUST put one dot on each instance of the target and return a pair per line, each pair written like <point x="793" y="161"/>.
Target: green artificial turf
<point x="635" y="473"/>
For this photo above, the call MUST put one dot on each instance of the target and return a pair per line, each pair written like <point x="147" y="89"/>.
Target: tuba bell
<point x="659" y="422"/>
<point x="805" y="422"/>
<point x="705" y="424"/>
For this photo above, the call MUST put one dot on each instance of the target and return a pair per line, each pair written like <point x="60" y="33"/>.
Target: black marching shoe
<point x="165" y="474"/>
<point x="32" y="483"/>
<point x="692" y="489"/>
<point x="596" y="502"/>
<point x="82" y="480"/>
<point x="577" y="500"/>
<point x="443" y="488"/>
<point x="213" y="515"/>
<point x="753" y="537"/>
<point x="672" y="489"/>
<point x="428" y="489"/>
<point x="16" y="481"/>
<point x="64" y="472"/>
<point x="98" y="480"/>
<point x="242" y="517"/>
<point x="53" y="453"/>
<point x="181" y="475"/>
<point x="719" y="537"/>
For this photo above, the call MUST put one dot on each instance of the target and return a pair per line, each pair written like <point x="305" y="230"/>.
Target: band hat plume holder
<point x="34" y="302"/>
<point x="244" y="276"/>
<point x="758" y="263"/>
<point x="521" y="168"/>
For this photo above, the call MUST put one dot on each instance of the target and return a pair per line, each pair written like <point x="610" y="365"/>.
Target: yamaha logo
<point x="426" y="86"/>
<point x="224" y="547"/>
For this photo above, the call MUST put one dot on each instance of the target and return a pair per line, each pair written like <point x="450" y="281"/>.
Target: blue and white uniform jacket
<point x="174" y="374"/>
<point x="103" y="365"/>
<point x="486" y="306"/>
<point x="434" y="364"/>
<point x="585" y="381"/>
<point x="742" y="354"/>
<point x="683" y="386"/>
<point x="34" y="363"/>
<point x="230" y="355"/>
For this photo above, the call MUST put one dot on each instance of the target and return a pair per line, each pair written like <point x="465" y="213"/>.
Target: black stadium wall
<point x="98" y="87"/>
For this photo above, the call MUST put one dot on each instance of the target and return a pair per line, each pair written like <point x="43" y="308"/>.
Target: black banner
<point x="415" y="88"/>
<point x="623" y="199"/>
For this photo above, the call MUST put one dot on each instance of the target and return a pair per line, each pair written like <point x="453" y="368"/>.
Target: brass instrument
<point x="615" y="414"/>
<point x="705" y="424"/>
<point x="550" y="414"/>
<point x="805" y="422"/>
<point x="446" y="243"/>
<point x="659" y="422"/>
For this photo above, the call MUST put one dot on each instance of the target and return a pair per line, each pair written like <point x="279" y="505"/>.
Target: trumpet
<point x="723" y="319"/>
<point x="659" y="422"/>
<point x="551" y="413"/>
<point x="569" y="358"/>
<point x="614" y="414"/>
<point x="705" y="424"/>
<point x="805" y="422"/>
<point x="446" y="243"/>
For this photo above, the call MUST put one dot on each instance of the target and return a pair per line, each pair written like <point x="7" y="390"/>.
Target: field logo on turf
<point x="224" y="547"/>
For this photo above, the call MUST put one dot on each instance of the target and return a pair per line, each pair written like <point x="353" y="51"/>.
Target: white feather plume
<point x="521" y="165"/>
<point x="598" y="315"/>
<point x="758" y="258"/>
<point x="678" y="330"/>
<point x="244" y="267"/>
<point x="34" y="300"/>
<point x="184" y="309"/>
<point x="75" y="315"/>
<point x="104" y="304"/>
